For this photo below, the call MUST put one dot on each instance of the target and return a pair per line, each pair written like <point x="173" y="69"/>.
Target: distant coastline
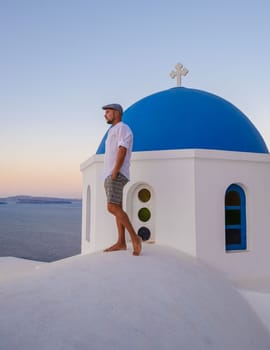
<point x="42" y="201"/>
<point x="37" y="200"/>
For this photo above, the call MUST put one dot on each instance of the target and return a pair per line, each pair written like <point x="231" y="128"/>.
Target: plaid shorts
<point x="114" y="188"/>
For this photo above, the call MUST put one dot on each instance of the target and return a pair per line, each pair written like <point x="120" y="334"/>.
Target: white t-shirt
<point x="118" y="135"/>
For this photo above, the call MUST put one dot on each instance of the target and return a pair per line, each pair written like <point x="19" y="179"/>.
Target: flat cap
<point x="114" y="106"/>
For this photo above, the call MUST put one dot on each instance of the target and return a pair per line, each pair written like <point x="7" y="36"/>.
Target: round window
<point x="144" y="195"/>
<point x="144" y="214"/>
<point x="144" y="233"/>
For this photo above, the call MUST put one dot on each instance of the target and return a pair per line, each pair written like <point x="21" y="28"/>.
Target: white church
<point x="198" y="197"/>
<point x="200" y="182"/>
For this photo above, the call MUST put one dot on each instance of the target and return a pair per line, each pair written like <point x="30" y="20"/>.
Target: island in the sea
<point x="36" y="200"/>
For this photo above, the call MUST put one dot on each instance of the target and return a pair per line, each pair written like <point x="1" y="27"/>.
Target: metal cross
<point x="178" y="73"/>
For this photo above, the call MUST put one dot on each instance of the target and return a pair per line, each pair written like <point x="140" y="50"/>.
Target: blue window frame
<point x="235" y="218"/>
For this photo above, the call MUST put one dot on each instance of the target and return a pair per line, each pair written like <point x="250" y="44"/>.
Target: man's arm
<point x="119" y="161"/>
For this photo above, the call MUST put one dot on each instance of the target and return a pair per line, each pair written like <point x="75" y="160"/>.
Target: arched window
<point x="140" y="205"/>
<point x="88" y="214"/>
<point x="235" y="218"/>
<point x="144" y="213"/>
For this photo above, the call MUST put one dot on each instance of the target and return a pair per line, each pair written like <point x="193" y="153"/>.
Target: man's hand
<point x="114" y="174"/>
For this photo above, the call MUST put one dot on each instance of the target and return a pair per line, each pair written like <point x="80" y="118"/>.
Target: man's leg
<point x="114" y="190"/>
<point x="123" y="221"/>
<point x="121" y="242"/>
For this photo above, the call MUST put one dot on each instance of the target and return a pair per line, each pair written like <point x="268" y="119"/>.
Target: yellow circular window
<point x="144" y="195"/>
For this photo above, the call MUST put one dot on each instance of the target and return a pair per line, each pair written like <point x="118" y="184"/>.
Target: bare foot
<point x="115" y="247"/>
<point x="137" y="246"/>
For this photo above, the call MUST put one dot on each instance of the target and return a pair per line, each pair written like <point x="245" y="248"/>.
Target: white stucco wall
<point x="172" y="181"/>
<point x="101" y="223"/>
<point x="188" y="190"/>
<point x="172" y="187"/>
<point x="214" y="172"/>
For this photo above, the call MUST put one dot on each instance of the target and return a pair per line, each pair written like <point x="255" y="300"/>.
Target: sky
<point x="62" y="60"/>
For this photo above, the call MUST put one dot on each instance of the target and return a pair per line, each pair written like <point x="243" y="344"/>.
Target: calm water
<point x="44" y="232"/>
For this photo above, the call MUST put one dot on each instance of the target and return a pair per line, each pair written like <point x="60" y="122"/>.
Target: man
<point x="118" y="148"/>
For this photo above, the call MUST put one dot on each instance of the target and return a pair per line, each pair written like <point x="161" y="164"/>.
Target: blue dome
<point x="182" y="118"/>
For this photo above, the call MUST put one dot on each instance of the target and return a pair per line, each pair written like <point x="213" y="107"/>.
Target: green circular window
<point x="144" y="195"/>
<point x="144" y="214"/>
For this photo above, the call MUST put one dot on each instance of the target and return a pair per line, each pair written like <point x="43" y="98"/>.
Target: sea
<point x="41" y="232"/>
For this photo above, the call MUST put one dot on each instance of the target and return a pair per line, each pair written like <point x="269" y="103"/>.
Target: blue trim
<point x="242" y="226"/>
<point x="233" y="226"/>
<point x="233" y="207"/>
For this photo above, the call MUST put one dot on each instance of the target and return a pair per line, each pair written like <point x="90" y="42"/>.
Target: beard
<point x="110" y="121"/>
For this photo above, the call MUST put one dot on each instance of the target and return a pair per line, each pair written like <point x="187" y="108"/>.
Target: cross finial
<point x="178" y="73"/>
